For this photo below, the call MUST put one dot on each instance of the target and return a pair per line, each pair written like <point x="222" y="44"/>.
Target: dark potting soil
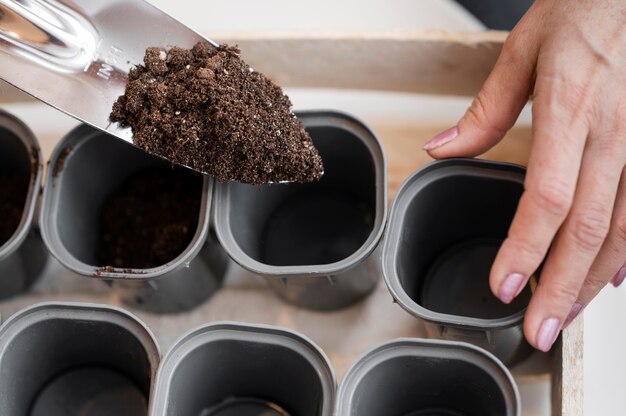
<point x="207" y="109"/>
<point x="110" y="269"/>
<point x="60" y="163"/>
<point x="34" y="161"/>
<point x="13" y="190"/>
<point x="150" y="219"/>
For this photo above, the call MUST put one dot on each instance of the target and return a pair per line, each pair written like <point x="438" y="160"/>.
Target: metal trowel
<point x="75" y="55"/>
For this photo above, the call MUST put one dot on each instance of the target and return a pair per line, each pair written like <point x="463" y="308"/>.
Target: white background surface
<point x="605" y="332"/>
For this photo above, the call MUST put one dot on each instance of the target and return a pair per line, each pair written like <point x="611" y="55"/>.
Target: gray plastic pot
<point x="86" y="166"/>
<point x="412" y="377"/>
<point x="70" y="359"/>
<point x="446" y="225"/>
<point x="23" y="256"/>
<point x="230" y="369"/>
<point x="313" y="243"/>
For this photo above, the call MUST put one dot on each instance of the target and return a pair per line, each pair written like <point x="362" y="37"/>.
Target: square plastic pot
<point x="314" y="243"/>
<point x="412" y="377"/>
<point x="86" y="167"/>
<point x="76" y="359"/>
<point x="23" y="255"/>
<point x="446" y="226"/>
<point x="230" y="369"/>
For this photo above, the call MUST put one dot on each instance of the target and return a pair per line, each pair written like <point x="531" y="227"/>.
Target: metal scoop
<point x="75" y="55"/>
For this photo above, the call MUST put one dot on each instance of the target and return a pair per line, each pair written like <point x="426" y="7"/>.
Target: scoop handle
<point x="47" y="32"/>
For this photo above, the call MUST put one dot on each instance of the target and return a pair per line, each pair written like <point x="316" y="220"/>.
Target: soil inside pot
<point x="207" y="109"/>
<point x="150" y="219"/>
<point x="60" y="163"/>
<point x="13" y="190"/>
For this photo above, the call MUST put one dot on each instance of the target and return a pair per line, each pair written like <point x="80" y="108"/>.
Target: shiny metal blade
<point x="76" y="55"/>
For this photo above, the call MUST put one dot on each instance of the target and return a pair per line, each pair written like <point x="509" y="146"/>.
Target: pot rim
<point x="426" y="348"/>
<point x="244" y="332"/>
<point x="27" y="137"/>
<point x="74" y="140"/>
<point x="313" y="118"/>
<point x="406" y="192"/>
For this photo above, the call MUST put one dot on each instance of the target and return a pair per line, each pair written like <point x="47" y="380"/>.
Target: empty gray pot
<point x="244" y="370"/>
<point x="313" y="242"/>
<point x="76" y="359"/>
<point x="447" y="223"/>
<point x="413" y="377"/>
<point x="86" y="167"/>
<point x="23" y="255"/>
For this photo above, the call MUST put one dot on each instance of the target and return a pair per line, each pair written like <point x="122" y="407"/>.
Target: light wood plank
<point x="568" y="372"/>
<point x="403" y="147"/>
<point x="431" y="62"/>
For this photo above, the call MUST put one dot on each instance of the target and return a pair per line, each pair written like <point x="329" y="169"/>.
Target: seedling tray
<point x="419" y="62"/>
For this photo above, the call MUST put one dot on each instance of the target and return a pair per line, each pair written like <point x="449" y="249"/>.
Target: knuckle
<point x="521" y="39"/>
<point x="564" y="95"/>
<point x="528" y="251"/>
<point x="479" y="113"/>
<point x="561" y="293"/>
<point x="478" y="110"/>
<point x="513" y="47"/>
<point x="619" y="227"/>
<point x="588" y="230"/>
<point x="607" y="142"/>
<point x="593" y="285"/>
<point x="553" y="196"/>
<point x="573" y="92"/>
<point x="608" y="137"/>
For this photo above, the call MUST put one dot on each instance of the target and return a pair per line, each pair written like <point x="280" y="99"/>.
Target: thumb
<point x="494" y="110"/>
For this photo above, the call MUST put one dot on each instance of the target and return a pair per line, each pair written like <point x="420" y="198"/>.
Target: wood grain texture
<point x="568" y="372"/>
<point x="403" y="147"/>
<point x="430" y="62"/>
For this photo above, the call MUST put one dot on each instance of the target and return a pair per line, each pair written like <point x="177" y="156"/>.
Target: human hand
<point x="572" y="56"/>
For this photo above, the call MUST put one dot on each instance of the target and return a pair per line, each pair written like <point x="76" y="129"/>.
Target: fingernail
<point x="547" y="334"/>
<point x="511" y="287"/>
<point x="573" y="313"/>
<point x="619" y="277"/>
<point x="442" y="138"/>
